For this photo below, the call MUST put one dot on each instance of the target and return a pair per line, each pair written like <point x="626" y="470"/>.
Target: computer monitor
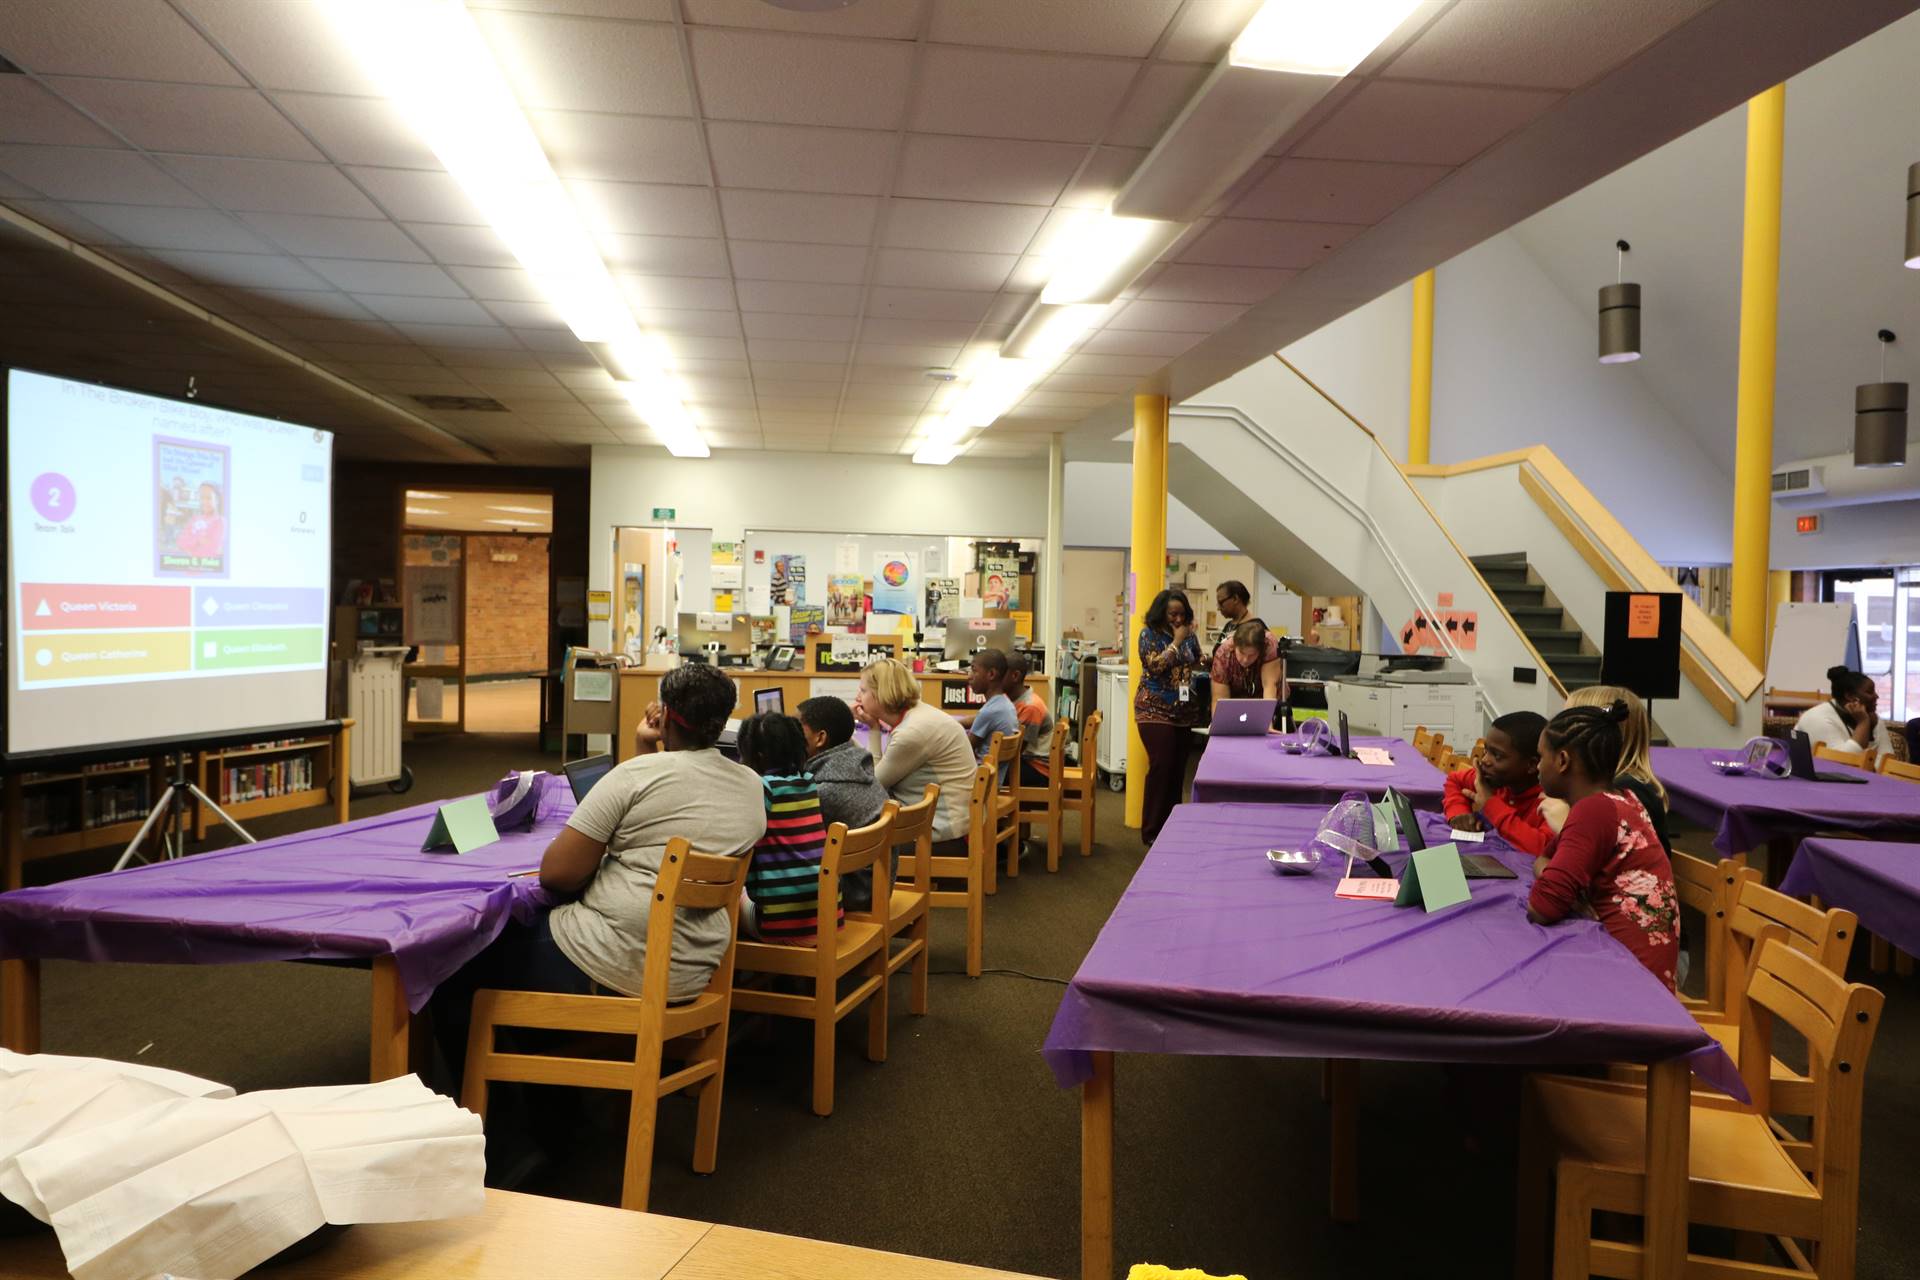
<point x="770" y="700"/>
<point x="965" y="635"/>
<point x="582" y="774"/>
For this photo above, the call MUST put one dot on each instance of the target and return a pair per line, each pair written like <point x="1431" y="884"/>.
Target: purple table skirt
<point x="1259" y="770"/>
<point x="348" y="892"/>
<point x="1210" y="952"/>
<point x="1877" y="881"/>
<point x="1745" y="812"/>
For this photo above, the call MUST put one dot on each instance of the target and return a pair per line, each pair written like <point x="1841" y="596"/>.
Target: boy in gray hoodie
<point x="842" y="772"/>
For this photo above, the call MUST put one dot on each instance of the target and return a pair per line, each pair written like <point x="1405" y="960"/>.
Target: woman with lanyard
<point x="1164" y="708"/>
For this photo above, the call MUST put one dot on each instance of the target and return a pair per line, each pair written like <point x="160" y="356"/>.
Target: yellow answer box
<point x="86" y="655"/>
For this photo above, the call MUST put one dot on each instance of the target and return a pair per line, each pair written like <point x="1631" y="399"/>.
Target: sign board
<point x="599" y="606"/>
<point x="663" y="513"/>
<point x="1807" y="523"/>
<point x="1641" y="646"/>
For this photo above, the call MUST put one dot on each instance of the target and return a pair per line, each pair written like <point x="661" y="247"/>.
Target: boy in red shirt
<point x="1503" y="793"/>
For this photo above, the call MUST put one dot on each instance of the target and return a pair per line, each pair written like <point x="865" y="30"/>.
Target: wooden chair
<point x="1899" y="768"/>
<point x="1479" y="749"/>
<point x="838" y="950"/>
<point x="1710" y="888"/>
<point x="969" y="869"/>
<point x="1858" y="759"/>
<point x="694" y="1031"/>
<point x="1080" y="784"/>
<point x="1003" y="752"/>
<point x="910" y="905"/>
<point x="1423" y="741"/>
<point x="1584" y="1141"/>
<point x="1042" y="804"/>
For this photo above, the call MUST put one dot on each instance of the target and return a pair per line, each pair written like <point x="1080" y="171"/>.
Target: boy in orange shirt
<point x="1503" y="793"/>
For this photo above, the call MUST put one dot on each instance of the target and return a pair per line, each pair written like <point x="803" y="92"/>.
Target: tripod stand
<point x="170" y="815"/>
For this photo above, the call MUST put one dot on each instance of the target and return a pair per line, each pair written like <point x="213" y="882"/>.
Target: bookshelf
<point x="260" y="778"/>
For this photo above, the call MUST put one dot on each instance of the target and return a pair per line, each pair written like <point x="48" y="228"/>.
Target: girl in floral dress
<point x="1607" y="859"/>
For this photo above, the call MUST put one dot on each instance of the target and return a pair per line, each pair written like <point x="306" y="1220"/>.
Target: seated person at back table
<point x="842" y="772"/>
<point x="988" y="677"/>
<point x="1607" y="858"/>
<point x="1850" y="719"/>
<point x="1502" y="792"/>
<point x="783" y="887"/>
<point x="1036" y="721"/>
<point x="601" y="867"/>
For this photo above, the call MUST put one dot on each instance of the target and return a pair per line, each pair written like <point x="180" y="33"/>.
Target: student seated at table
<point x="783" y="886"/>
<point x="988" y="678"/>
<point x="601" y="867"/>
<point x="1502" y="792"/>
<point x="922" y="744"/>
<point x="1635" y="772"/>
<point x="1036" y="722"/>
<point x="1607" y="859"/>
<point x="842" y="772"/>
<point x="1850" y="719"/>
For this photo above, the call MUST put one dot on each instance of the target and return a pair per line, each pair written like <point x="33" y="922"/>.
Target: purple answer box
<point x="258" y="606"/>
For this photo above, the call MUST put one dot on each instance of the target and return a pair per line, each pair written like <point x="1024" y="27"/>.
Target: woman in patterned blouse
<point x="1164" y="707"/>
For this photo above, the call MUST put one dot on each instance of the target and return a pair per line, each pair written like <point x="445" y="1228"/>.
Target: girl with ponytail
<point x="1607" y="859"/>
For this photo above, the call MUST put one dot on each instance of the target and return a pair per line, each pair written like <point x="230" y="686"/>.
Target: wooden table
<point x="519" y="1237"/>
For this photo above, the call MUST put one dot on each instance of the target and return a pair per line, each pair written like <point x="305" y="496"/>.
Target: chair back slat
<point x="1857" y="759"/>
<point x="1824" y="936"/>
<point x="913" y="826"/>
<point x="1895" y="768"/>
<point x="1090" y="741"/>
<point x="1004" y="750"/>
<point x="858" y="849"/>
<point x="710" y="881"/>
<point x="672" y="890"/>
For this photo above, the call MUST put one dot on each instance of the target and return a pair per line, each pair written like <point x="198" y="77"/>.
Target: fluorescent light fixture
<point x="432" y="497"/>
<point x="996" y="389"/>
<point x="931" y="454"/>
<point x="1317" y="37"/>
<point x="1049" y="329"/>
<point x="1106" y="259"/>
<point x="425" y="511"/>
<point x="658" y="404"/>
<point x="517" y="524"/>
<point x="524" y="511"/>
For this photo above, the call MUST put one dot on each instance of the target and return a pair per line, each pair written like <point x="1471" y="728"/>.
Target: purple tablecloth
<point x="1746" y="812"/>
<point x="1876" y="880"/>
<point x="1259" y="770"/>
<point x="1210" y="952"/>
<point x="346" y="892"/>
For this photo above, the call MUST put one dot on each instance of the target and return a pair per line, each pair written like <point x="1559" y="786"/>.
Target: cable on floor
<point x="1005" y="973"/>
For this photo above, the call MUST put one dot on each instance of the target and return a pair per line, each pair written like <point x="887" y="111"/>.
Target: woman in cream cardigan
<point x="924" y="744"/>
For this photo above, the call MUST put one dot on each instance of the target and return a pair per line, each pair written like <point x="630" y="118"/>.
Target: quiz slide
<point x="167" y="567"/>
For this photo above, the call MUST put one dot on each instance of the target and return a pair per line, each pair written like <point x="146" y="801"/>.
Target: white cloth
<point x="1824" y="725"/>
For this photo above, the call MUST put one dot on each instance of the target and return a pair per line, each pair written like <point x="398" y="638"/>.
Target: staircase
<point x="1562" y="645"/>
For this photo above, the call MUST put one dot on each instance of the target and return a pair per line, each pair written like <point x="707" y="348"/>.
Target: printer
<point x="1394" y="694"/>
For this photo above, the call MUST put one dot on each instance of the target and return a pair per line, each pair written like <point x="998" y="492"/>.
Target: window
<point x="1886" y="607"/>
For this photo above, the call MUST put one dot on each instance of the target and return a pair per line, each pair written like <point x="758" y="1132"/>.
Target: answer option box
<point x="258" y="647"/>
<point x="80" y="606"/>
<point x="76" y="655"/>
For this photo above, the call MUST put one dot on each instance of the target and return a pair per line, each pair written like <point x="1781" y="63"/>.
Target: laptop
<point x="1242" y="717"/>
<point x="582" y="774"/>
<point x="770" y="700"/>
<point x="1478" y="866"/>
<point x="1800" y="763"/>
<point x="1346" y="751"/>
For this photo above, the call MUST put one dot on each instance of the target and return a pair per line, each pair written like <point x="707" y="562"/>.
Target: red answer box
<point x="81" y="606"/>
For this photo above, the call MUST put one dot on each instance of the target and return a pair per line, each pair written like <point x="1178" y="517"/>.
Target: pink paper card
<point x="1373" y="755"/>
<point x="1367" y="890"/>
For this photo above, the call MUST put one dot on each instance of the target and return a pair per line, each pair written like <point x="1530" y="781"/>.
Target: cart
<point x="1115" y="700"/>
<point x="377" y="701"/>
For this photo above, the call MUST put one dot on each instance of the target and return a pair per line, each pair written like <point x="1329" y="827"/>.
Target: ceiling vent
<point x="1800" y="481"/>
<point x="461" y="404"/>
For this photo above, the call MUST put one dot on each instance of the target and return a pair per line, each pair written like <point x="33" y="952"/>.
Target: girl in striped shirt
<point x="783" y="885"/>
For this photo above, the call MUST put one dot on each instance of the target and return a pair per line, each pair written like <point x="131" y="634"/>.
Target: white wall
<point x="1871" y="533"/>
<point x="1361" y="361"/>
<point x="1100" y="512"/>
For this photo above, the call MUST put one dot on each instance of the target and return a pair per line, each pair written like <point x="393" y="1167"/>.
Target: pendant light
<point x="1913" y="216"/>
<point x="1620" y="314"/>
<point x="1880" y="417"/>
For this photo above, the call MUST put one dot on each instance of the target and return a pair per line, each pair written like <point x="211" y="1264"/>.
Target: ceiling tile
<point x="1187" y="282"/>
<point x="794" y="158"/>
<point x="1243" y="242"/>
<point x="1163" y="89"/>
<point x="63" y="220"/>
<point x="886" y="19"/>
<point x="930" y="269"/>
<point x="781" y="349"/>
<point x="1336" y="190"/>
<point x="522" y="316"/>
<point x="1103" y="177"/>
<point x="795" y="371"/>
<point x="1008" y="308"/>
<point x="819" y="299"/>
<point x="622" y="148"/>
<point x="289" y="44"/>
<point x="1057" y="26"/>
<point x="28" y="113"/>
<point x="886" y="329"/>
<point x="146" y="41"/>
<point x="418" y="195"/>
<point x="242" y="270"/>
<point x="793" y="216"/>
<point x="1203" y="32"/>
<point x="791" y="79"/>
<point x="359" y="130"/>
<point x="698" y="324"/>
<point x="665" y="255"/>
<point x="81" y="173"/>
<point x="996" y="169"/>
<point x="1130" y="365"/>
<point x="417" y="279"/>
<point x="172" y="228"/>
<point x="1106" y="383"/>
<point x="271" y="186"/>
<point x="960" y="225"/>
<point x="920" y="356"/>
<point x="315" y="301"/>
<point x="191" y="118"/>
<point x="1174" y="317"/>
<point x="634" y="208"/>
<point x="635" y="10"/>
<point x="929" y="304"/>
<point x="801" y="263"/>
<point x="677" y="291"/>
<point x="1549" y="46"/>
<point x="475" y="246"/>
<point x="498" y="284"/>
<point x="459" y="340"/>
<point x="581" y="64"/>
<point x="1422" y="123"/>
<point x="1143" y="342"/>
<point x="1043" y="97"/>
<point x="310" y="237"/>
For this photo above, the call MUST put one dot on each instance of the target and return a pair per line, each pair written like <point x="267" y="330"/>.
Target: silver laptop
<point x="1242" y="717"/>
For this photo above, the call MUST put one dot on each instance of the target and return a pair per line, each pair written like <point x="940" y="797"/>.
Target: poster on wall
<point x="724" y="576"/>
<point x="846" y="557"/>
<point x="787" y="583"/>
<point x="844" y="604"/>
<point x="1000" y="582"/>
<point x="943" y="600"/>
<point x="726" y="553"/>
<point x="893" y="585"/>
<point x="430" y="613"/>
<point x="804" y="618"/>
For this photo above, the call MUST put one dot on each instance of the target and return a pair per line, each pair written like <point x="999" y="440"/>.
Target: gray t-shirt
<point x="634" y="810"/>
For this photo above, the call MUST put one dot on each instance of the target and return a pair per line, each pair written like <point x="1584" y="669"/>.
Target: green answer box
<point x="230" y="649"/>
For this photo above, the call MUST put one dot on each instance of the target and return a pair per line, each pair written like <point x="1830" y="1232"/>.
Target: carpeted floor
<point x="960" y="1146"/>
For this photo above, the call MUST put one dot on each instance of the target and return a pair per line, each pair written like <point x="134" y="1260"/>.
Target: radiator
<point x="376" y="699"/>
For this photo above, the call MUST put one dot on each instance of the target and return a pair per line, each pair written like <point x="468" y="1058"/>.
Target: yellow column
<point x="1759" y="322"/>
<point x="1149" y="571"/>
<point x="1420" y="397"/>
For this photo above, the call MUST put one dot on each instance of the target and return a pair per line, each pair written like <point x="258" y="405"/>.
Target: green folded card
<point x="1434" y="878"/>
<point x="463" y="826"/>
<point x="1386" y="831"/>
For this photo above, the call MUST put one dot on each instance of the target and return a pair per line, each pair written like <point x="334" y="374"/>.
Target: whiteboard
<point x="1807" y="639"/>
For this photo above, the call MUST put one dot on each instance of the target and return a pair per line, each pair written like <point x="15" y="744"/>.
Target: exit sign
<point x="1806" y="524"/>
<point x="663" y="513"/>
